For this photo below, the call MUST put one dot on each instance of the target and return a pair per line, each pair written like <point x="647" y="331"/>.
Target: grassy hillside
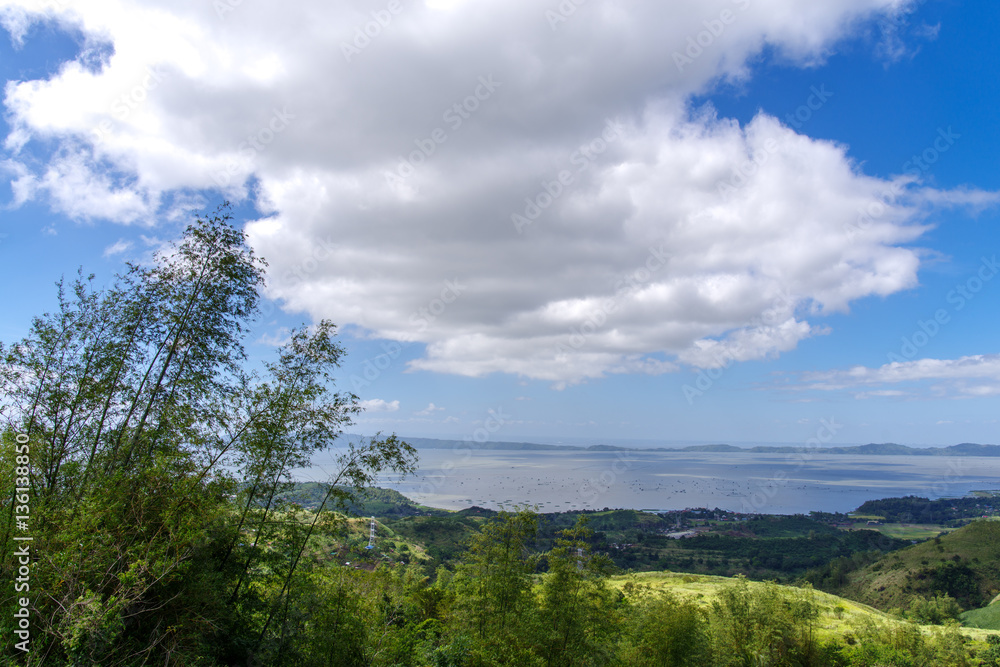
<point x="838" y="616"/>
<point x="986" y="617"/>
<point x="962" y="564"/>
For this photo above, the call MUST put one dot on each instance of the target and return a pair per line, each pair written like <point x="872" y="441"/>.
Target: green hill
<point x="374" y="501"/>
<point x="962" y="564"/>
<point x="987" y="618"/>
<point x="837" y="616"/>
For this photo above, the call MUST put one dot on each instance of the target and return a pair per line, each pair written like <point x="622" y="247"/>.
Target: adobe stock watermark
<point x="714" y="28"/>
<point x="455" y="116"/>
<point x="657" y="259"/>
<point x="562" y="12"/>
<point x="320" y="252"/>
<point x="254" y="144"/>
<point x="775" y="314"/>
<point x="426" y="315"/>
<point x="21" y="509"/>
<point x="223" y="7"/>
<point x="959" y="297"/>
<point x="364" y="34"/>
<point x="373" y="367"/>
<point x="744" y="172"/>
<point x="582" y="158"/>
<point x="956" y="470"/>
<point x="492" y="423"/>
<point x="768" y="489"/>
<point x="804" y="113"/>
<point x="918" y="165"/>
<point x="123" y="105"/>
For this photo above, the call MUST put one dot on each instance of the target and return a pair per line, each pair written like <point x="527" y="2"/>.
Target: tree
<point x="759" y="624"/>
<point x="665" y="630"/>
<point x="496" y="603"/>
<point x="143" y="424"/>
<point x="936" y="610"/>
<point x="577" y="614"/>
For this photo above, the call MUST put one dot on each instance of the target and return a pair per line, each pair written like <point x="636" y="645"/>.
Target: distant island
<point x="872" y="449"/>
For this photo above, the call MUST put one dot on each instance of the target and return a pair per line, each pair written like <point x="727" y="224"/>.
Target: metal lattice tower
<point x="371" y="535"/>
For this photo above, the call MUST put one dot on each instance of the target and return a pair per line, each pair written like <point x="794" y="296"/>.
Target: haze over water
<point x="746" y="482"/>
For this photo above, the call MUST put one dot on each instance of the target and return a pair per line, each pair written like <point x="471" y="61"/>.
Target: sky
<point x="578" y="221"/>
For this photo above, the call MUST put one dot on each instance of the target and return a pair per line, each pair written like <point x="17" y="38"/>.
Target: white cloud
<point x="379" y="405"/>
<point x="970" y="376"/>
<point x="429" y="410"/>
<point x="678" y="238"/>
<point x="117" y="248"/>
<point x="282" y="336"/>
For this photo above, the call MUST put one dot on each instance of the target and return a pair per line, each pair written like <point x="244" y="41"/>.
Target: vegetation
<point x="987" y="617"/>
<point x="762" y="547"/>
<point x="152" y="462"/>
<point x="151" y="470"/>
<point x="946" y="511"/>
<point x="961" y="565"/>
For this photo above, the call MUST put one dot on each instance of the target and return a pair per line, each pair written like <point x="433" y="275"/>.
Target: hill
<point x="962" y="564"/>
<point x="374" y="501"/>
<point x="871" y="449"/>
<point x="837" y="616"/>
<point x="985" y="617"/>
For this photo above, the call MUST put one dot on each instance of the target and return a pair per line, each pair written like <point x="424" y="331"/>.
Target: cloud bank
<point x="522" y="188"/>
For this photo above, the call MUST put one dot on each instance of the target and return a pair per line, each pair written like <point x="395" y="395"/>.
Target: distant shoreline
<point x="873" y="449"/>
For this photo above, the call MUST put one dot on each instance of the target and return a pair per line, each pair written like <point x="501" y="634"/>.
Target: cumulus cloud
<point x="428" y="411"/>
<point x="379" y="405"/>
<point x="521" y="194"/>
<point x="970" y="376"/>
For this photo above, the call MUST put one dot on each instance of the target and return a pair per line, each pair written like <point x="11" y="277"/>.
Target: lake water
<point x="744" y="482"/>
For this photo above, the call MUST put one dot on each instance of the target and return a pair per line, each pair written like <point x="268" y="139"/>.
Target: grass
<point x="894" y="579"/>
<point x="907" y="531"/>
<point x="837" y="615"/>
<point x="986" y="617"/>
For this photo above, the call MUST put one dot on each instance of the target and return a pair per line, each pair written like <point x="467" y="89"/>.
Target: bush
<point x="936" y="610"/>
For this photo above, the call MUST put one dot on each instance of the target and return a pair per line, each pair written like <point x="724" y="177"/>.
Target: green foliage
<point x="577" y="610"/>
<point x="936" y="610"/>
<point x="960" y="564"/>
<point x="143" y="425"/>
<point x="793" y="555"/>
<point x="665" y="631"/>
<point x="761" y="625"/>
<point x="957" y="580"/>
<point x="167" y="530"/>
<point x="991" y="656"/>
<point x="903" y="645"/>
<point x="494" y="587"/>
<point x="946" y="511"/>
<point x="892" y="645"/>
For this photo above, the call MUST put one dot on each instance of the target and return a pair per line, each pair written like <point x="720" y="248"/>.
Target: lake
<point x="743" y="482"/>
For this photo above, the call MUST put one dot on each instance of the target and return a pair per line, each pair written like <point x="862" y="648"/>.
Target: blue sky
<point x="709" y="222"/>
